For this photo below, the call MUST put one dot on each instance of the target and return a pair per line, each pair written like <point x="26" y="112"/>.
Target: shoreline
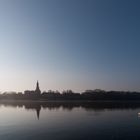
<point x="70" y="101"/>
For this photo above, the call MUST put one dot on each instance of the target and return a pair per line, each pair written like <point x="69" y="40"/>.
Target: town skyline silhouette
<point x="92" y="95"/>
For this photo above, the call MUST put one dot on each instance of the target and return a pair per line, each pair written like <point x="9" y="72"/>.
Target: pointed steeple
<point x="37" y="85"/>
<point x="37" y="91"/>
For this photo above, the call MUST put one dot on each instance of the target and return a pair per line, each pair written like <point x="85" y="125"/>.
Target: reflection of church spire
<point x="38" y="111"/>
<point x="37" y="91"/>
<point x="34" y="106"/>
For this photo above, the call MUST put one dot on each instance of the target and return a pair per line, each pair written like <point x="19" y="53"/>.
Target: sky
<point x="70" y="44"/>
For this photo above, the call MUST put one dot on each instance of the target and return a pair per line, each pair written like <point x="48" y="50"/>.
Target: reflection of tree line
<point x="88" y="106"/>
<point x="70" y="95"/>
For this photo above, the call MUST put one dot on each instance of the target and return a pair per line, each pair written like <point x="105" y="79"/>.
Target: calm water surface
<point x="68" y="121"/>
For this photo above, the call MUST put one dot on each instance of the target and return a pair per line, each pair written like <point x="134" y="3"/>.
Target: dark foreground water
<point x="69" y="121"/>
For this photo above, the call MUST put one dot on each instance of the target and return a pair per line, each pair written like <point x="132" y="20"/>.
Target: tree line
<point x="70" y="95"/>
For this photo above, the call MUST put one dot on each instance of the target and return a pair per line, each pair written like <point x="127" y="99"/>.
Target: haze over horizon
<point x="70" y="44"/>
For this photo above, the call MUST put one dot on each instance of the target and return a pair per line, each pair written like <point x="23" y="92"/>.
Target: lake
<point x="69" y="120"/>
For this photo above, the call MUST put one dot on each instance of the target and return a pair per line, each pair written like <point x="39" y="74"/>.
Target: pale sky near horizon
<point x="70" y="44"/>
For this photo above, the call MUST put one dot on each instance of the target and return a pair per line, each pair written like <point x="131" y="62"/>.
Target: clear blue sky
<point x="70" y="44"/>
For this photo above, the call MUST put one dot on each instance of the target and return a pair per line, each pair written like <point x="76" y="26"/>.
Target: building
<point x="37" y="90"/>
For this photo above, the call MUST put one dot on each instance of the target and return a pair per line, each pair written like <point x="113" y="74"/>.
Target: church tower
<point x="37" y="91"/>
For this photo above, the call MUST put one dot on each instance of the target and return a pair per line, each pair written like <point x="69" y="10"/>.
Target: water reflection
<point x="67" y="105"/>
<point x="34" y="106"/>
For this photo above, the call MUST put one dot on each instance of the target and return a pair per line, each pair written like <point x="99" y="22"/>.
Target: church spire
<point x="37" y="85"/>
<point x="37" y="91"/>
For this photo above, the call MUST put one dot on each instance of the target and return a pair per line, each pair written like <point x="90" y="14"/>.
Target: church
<point x="35" y="92"/>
